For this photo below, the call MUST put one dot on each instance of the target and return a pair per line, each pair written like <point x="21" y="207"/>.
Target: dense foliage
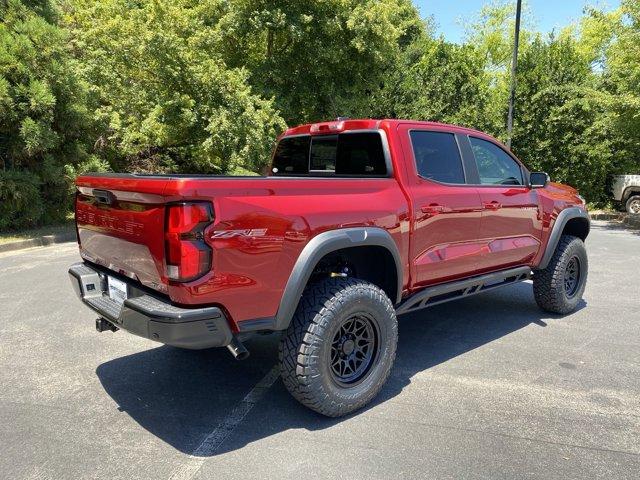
<point x="45" y="121"/>
<point x="205" y="86"/>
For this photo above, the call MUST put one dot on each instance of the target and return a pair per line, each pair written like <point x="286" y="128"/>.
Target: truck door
<point x="445" y="211"/>
<point x="511" y="223"/>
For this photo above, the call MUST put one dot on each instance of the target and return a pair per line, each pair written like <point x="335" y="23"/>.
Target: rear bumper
<point x="149" y="316"/>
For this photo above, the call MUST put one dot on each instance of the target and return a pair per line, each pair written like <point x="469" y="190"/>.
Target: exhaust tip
<point x="237" y="349"/>
<point x="242" y="356"/>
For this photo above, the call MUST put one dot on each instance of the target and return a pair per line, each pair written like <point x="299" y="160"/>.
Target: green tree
<point x="622" y="78"/>
<point x="437" y="81"/>
<point x="44" y="122"/>
<point x="166" y="100"/>
<point x="624" y="53"/>
<point x="320" y="59"/>
<point x="565" y="125"/>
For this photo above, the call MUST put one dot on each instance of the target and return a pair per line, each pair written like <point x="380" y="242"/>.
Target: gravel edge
<point x="39" y="241"/>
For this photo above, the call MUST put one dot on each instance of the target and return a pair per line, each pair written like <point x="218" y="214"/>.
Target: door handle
<point x="492" y="205"/>
<point x="432" y="209"/>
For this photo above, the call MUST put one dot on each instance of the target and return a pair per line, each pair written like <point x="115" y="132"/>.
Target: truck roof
<point x="340" y="125"/>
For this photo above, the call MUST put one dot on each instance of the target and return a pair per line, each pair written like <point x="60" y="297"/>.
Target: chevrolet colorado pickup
<point x="357" y="221"/>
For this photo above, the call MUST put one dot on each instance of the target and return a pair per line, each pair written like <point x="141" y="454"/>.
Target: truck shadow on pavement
<point x="182" y="396"/>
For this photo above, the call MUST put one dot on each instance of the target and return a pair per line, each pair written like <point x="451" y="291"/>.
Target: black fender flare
<point x="321" y="245"/>
<point x="556" y="231"/>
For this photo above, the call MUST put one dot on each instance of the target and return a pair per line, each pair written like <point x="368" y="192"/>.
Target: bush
<point x="20" y="200"/>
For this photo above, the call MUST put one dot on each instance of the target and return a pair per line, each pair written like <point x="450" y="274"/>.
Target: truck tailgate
<point x="120" y="220"/>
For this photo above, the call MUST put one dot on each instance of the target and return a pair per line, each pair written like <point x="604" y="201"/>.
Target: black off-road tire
<point x="308" y="346"/>
<point x="552" y="287"/>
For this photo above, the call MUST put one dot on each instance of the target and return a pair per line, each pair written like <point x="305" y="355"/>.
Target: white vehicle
<point x="626" y="190"/>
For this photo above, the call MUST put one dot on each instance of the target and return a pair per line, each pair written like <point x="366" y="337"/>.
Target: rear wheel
<point x="340" y="347"/>
<point x="559" y="287"/>
<point x="633" y="204"/>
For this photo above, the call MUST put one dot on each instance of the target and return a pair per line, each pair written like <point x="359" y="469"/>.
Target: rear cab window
<point x="437" y="156"/>
<point x="359" y="154"/>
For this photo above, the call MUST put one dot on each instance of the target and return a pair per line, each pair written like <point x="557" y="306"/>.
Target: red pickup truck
<point x="357" y="221"/>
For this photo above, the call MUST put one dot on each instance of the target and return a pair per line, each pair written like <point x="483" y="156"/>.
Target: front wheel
<point x="559" y="287"/>
<point x="339" y="349"/>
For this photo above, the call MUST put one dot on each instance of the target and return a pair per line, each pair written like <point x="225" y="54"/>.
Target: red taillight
<point x="187" y="255"/>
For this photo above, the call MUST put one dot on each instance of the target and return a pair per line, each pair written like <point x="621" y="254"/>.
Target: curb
<point x="39" y="241"/>
<point x="631" y="221"/>
<point x="607" y="216"/>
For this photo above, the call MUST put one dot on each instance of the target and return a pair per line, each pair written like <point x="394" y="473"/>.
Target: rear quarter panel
<point x="262" y="225"/>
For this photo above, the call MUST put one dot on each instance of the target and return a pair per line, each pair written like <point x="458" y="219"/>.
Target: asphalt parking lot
<point x="488" y="387"/>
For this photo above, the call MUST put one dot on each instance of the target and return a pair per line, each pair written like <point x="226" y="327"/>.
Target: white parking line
<point x="214" y="439"/>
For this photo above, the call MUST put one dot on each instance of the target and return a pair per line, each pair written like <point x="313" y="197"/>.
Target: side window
<point x="495" y="166"/>
<point x="437" y="156"/>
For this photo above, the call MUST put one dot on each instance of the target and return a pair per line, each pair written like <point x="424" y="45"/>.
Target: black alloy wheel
<point x="354" y="349"/>
<point x="572" y="277"/>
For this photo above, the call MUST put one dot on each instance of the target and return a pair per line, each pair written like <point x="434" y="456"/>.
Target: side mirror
<point x="538" y="179"/>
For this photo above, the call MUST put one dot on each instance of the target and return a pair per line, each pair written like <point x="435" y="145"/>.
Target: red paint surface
<point x="262" y="224"/>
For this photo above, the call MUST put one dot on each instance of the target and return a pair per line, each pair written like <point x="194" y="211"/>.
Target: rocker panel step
<point x="446" y="292"/>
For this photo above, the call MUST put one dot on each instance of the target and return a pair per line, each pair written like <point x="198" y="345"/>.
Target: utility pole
<point x="514" y="69"/>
